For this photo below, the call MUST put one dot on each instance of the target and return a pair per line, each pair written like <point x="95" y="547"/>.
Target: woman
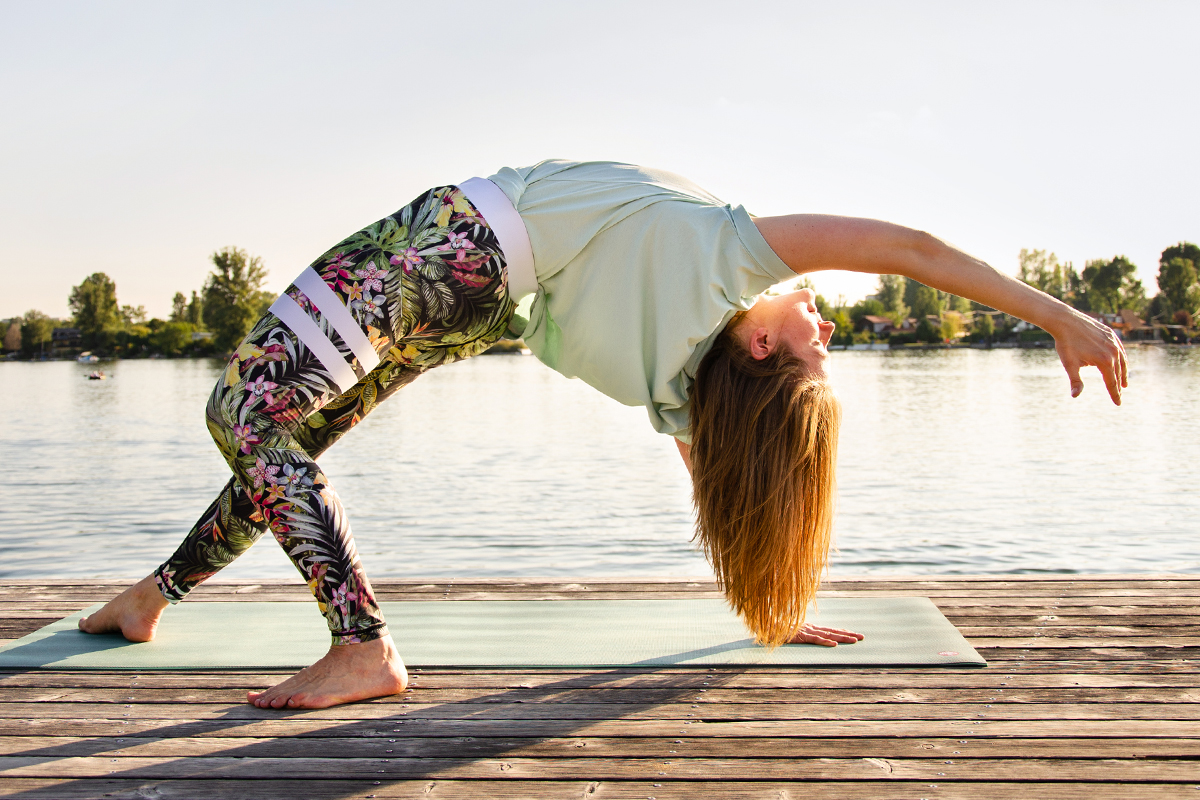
<point x="636" y="281"/>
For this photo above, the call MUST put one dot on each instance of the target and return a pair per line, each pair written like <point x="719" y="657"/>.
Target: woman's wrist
<point x="1056" y="317"/>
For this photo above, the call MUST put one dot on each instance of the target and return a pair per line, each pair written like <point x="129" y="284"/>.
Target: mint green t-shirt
<point x="638" y="270"/>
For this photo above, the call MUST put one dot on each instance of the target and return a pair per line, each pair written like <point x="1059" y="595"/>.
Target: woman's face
<point x="790" y="320"/>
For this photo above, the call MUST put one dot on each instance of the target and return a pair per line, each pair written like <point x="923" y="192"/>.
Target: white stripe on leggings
<point x="332" y="308"/>
<point x="307" y="331"/>
<point x="491" y="201"/>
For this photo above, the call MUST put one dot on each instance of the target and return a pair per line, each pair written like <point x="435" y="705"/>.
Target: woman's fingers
<point x="826" y="637"/>
<point x="1112" y="380"/>
<point x="1088" y="343"/>
<point x="839" y="634"/>
<point x="1112" y="372"/>
<point x="1073" y="374"/>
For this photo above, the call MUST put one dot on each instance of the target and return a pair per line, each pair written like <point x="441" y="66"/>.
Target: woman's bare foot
<point x="348" y="672"/>
<point x="133" y="613"/>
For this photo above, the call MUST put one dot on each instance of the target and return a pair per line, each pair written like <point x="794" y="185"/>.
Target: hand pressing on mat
<point x="826" y="637"/>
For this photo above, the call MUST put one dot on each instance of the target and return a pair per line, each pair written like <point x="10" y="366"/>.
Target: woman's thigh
<point x="431" y="279"/>
<point x="422" y="287"/>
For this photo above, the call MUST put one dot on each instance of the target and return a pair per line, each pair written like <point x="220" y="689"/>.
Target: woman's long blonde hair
<point x="764" y="459"/>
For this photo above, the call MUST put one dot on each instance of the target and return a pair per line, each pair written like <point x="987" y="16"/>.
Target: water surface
<point x="951" y="462"/>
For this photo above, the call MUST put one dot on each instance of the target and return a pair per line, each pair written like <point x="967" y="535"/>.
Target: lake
<point x="951" y="462"/>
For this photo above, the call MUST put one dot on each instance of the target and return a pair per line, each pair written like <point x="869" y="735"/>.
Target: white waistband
<point x="510" y="232"/>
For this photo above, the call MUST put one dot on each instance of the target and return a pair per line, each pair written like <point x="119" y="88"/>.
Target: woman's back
<point x="638" y="270"/>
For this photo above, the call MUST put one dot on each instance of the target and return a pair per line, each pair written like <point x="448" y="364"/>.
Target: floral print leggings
<point x="422" y="287"/>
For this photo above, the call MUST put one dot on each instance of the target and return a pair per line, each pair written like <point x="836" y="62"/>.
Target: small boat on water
<point x="98" y="375"/>
<point x="87" y="358"/>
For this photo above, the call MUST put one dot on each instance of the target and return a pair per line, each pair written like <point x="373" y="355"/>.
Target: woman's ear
<point x="760" y="344"/>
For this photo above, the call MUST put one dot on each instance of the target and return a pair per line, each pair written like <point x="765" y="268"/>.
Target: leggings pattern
<point x="426" y="286"/>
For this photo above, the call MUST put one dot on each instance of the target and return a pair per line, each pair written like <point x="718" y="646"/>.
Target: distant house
<point x="200" y="336"/>
<point x="1130" y="327"/>
<point x="66" y="338"/>
<point x="874" y="324"/>
<point x="882" y="326"/>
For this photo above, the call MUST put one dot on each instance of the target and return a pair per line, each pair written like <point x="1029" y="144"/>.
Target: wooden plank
<point x="1099" y="642"/>
<point x="743" y="769"/>
<point x="1084" y="632"/>
<point x="705" y="696"/>
<point x="113" y="788"/>
<point x="595" y="747"/>
<point x="1091" y="686"/>
<point x="714" y="712"/>
<point x="1060" y="671"/>
<point x="294" y="726"/>
<point x="1149" y="623"/>
<point x="1002" y="611"/>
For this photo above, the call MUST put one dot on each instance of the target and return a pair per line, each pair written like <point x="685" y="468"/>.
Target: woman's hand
<point x="826" y="637"/>
<point x="1083" y="342"/>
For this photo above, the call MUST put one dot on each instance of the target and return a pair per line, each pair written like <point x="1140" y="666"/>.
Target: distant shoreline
<point x="521" y="350"/>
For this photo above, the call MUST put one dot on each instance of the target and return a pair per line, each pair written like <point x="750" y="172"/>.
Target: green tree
<point x="233" y="296"/>
<point x="951" y="326"/>
<point x="1111" y="286"/>
<point x="926" y="332"/>
<point x="843" y="332"/>
<point x="94" y="306"/>
<point x="926" y="302"/>
<point x="1042" y="270"/>
<point x="985" y="327"/>
<point x="1177" y="283"/>
<point x="1182" y="250"/>
<point x="179" y="307"/>
<point x="195" y="310"/>
<point x="891" y="295"/>
<point x="133" y="315"/>
<point x="36" y="333"/>
<point x="172" y="338"/>
<point x="914" y="290"/>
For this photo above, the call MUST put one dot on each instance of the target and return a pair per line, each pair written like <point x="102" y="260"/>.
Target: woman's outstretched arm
<point x="813" y="242"/>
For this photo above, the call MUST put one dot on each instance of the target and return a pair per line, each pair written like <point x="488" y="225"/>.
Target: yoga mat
<point x="900" y="631"/>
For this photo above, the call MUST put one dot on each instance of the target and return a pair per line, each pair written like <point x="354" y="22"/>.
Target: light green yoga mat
<point x="900" y="631"/>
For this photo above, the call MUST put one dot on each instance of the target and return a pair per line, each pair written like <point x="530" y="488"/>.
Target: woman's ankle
<point x="149" y="594"/>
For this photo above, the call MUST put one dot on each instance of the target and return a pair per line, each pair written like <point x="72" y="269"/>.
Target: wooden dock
<point x="1091" y="692"/>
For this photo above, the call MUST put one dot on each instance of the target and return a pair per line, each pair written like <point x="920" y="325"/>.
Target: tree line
<point x="212" y="321"/>
<point x="1104" y="287"/>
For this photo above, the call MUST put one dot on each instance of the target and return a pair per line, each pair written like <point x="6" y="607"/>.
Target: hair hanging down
<point x="764" y="453"/>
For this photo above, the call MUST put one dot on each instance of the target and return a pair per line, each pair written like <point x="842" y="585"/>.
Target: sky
<point x="136" y="138"/>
